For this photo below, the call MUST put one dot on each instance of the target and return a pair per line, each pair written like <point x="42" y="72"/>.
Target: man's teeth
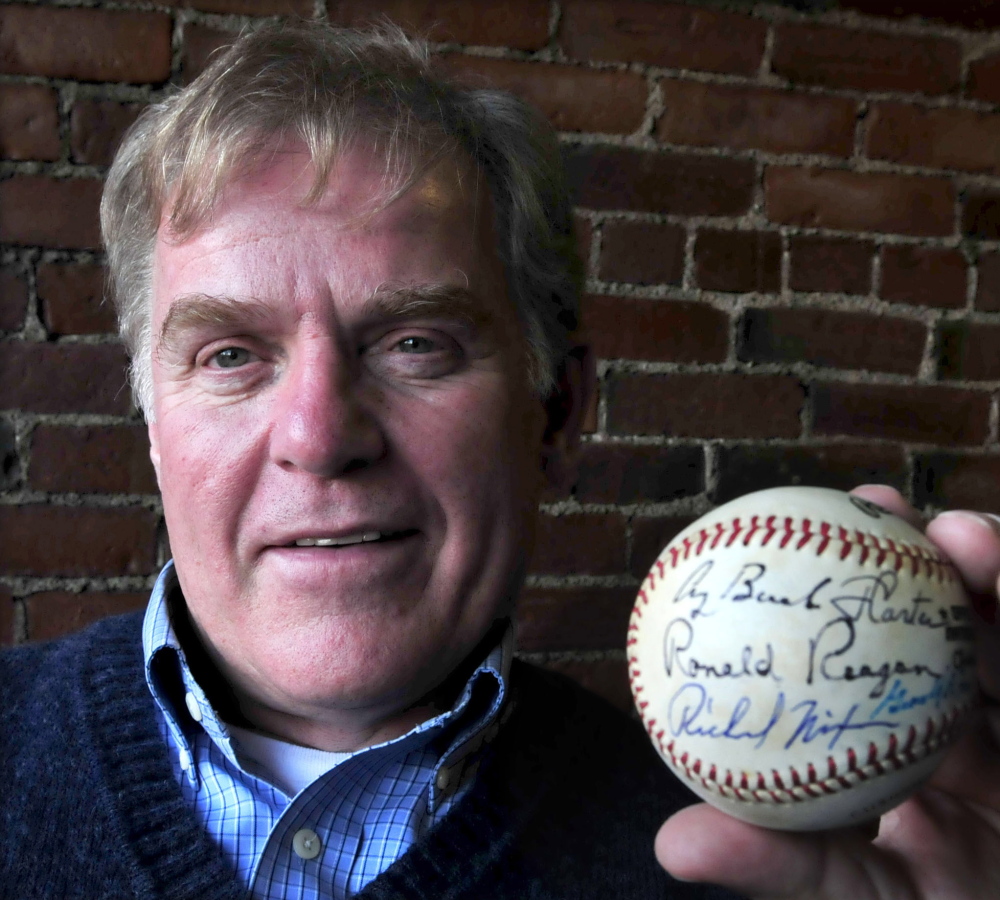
<point x="339" y="542"/>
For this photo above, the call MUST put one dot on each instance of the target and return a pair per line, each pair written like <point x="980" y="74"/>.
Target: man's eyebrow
<point x="192" y="311"/>
<point x="203" y="310"/>
<point x="412" y="301"/>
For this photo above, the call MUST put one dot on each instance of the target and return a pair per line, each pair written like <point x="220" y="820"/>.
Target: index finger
<point x="972" y="542"/>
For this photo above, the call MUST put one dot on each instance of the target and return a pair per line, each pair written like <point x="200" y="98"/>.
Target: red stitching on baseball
<point x="938" y="734"/>
<point x="884" y="551"/>
<point x="900" y="752"/>
<point x="788" y="533"/>
<point x="769" y="531"/>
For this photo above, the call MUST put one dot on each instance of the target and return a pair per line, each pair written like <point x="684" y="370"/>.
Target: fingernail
<point x="986" y="520"/>
<point x="984" y="604"/>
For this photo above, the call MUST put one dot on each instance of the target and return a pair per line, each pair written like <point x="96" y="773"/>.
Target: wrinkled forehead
<point x="362" y="176"/>
<point x="267" y="231"/>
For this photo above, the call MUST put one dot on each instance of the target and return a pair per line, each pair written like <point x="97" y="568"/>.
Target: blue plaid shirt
<point x="353" y="821"/>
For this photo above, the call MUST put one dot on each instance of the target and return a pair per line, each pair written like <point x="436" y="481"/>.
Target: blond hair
<point x="333" y="88"/>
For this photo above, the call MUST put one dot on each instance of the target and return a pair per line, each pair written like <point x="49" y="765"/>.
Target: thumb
<point x="702" y="844"/>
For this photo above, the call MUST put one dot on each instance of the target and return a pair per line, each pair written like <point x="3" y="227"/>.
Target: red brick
<point x="925" y="276"/>
<point x="709" y="405"/>
<point x="52" y="614"/>
<point x="830" y="265"/>
<point x="13" y="298"/>
<point x="97" y="127"/>
<point x="608" y="678"/>
<point x="200" y="42"/>
<point x="649" y="537"/>
<point x="50" y="212"/>
<point x="970" y="351"/>
<point x="573" y="618"/>
<point x="77" y="541"/>
<point x="572" y="99"/>
<point x="29" y="122"/>
<point x="579" y="544"/>
<point x="738" y="261"/>
<point x="754" y="467"/>
<point x="823" y="337"/>
<point x="617" y="473"/>
<point x="916" y="413"/>
<point x="642" y="253"/>
<point x="988" y="286"/>
<point x="981" y="216"/>
<point x="866" y="60"/>
<point x="85" y="44"/>
<point x="662" y="330"/>
<point x="6" y="617"/>
<point x="619" y="178"/>
<point x="664" y="34"/>
<point x="938" y="138"/>
<point x="72" y="299"/>
<point x="521" y="24"/>
<point x="303" y="8"/>
<point x="94" y="458"/>
<point x="957" y="481"/>
<point x="715" y="115"/>
<point x="984" y="79"/>
<point x="854" y="201"/>
<point x="978" y="14"/>
<point x="64" y="378"/>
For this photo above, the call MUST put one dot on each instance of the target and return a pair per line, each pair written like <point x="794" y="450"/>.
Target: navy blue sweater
<point x="565" y="805"/>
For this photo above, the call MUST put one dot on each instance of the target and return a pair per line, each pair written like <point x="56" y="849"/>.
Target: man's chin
<point x="345" y="708"/>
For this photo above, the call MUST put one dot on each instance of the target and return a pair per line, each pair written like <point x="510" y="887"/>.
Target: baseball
<point x="802" y="658"/>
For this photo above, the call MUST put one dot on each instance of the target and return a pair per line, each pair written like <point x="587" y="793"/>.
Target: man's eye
<point x="416" y="345"/>
<point x="231" y="357"/>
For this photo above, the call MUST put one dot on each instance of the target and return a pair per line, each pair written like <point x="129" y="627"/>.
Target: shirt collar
<point x="475" y="716"/>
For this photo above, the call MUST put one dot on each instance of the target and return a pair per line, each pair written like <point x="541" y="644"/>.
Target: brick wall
<point x="791" y="224"/>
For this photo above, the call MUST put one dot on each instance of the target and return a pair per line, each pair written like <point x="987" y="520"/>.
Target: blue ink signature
<point x="690" y="711"/>
<point x="692" y="701"/>
<point x="899" y="699"/>
<point x="810" y="728"/>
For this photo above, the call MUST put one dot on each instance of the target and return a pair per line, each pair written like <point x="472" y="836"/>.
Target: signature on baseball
<point x="821" y="623"/>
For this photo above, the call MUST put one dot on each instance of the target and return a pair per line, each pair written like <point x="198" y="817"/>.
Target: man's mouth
<point x="367" y="537"/>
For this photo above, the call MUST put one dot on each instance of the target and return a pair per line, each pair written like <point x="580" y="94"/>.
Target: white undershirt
<point x="289" y="767"/>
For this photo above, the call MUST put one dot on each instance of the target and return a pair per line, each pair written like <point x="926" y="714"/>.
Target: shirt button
<point x="443" y="778"/>
<point x="192" y="704"/>
<point x="306" y="844"/>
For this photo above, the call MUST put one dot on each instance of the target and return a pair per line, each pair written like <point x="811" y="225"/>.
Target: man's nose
<point x="322" y="423"/>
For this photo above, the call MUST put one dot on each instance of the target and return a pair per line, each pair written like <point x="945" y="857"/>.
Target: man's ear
<point x="565" y="410"/>
<point x="154" y="447"/>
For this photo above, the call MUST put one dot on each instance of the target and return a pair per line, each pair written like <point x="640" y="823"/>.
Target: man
<point x="349" y="295"/>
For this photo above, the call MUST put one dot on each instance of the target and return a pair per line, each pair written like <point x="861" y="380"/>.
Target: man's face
<point x="345" y="439"/>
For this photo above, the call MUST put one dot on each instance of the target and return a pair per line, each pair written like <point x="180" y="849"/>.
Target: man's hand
<point x="941" y="844"/>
